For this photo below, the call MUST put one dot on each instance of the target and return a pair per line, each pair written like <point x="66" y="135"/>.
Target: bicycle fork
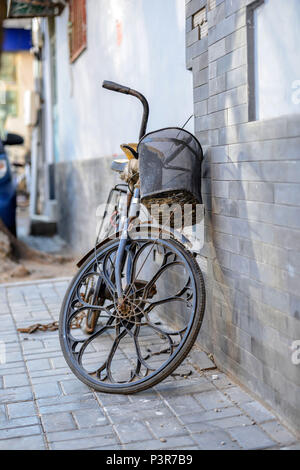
<point x="133" y="205"/>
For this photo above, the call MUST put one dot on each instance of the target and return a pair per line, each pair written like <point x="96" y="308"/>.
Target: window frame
<point x="251" y="58"/>
<point x="75" y="52"/>
<point x="202" y="32"/>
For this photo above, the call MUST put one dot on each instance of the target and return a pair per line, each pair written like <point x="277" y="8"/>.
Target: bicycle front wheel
<point x="136" y="345"/>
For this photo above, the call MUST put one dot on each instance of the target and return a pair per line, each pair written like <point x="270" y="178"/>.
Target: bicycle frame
<point x="119" y="188"/>
<point x="133" y="205"/>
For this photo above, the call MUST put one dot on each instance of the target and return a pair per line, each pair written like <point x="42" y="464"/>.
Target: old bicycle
<point x="139" y="294"/>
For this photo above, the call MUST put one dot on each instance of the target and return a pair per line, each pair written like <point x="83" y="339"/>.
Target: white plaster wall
<point x="47" y="95"/>
<point x="150" y="57"/>
<point x="277" y="39"/>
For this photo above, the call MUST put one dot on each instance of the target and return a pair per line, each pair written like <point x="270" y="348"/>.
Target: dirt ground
<point x="55" y="261"/>
<point x="27" y="270"/>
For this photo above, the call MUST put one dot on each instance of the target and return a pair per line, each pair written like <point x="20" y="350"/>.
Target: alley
<point x="43" y="406"/>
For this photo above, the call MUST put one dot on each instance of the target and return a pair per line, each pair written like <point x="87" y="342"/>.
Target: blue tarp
<point x="16" y="40"/>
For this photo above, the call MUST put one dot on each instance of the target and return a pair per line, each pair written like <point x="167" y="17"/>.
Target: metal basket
<point x="170" y="174"/>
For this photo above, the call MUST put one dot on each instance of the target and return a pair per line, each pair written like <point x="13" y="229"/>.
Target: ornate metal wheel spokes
<point x="136" y="338"/>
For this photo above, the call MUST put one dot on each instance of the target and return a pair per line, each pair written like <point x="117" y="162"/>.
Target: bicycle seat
<point x="130" y="150"/>
<point x="119" y="164"/>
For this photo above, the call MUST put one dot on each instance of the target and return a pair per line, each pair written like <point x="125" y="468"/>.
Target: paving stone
<point x="110" y="400"/>
<point x="108" y="447"/>
<point x="38" y="364"/>
<point x="23" y="443"/>
<point x="212" y="400"/>
<point x="166" y="428"/>
<point x="142" y="399"/>
<point x="18" y="380"/>
<point x="69" y="435"/>
<point x="74" y="386"/>
<point x="2" y="413"/>
<point x="21" y="410"/>
<point x="47" y="390"/>
<point x="48" y="379"/>
<point x="200" y="427"/>
<point x="58" y="422"/>
<point x="185" y="448"/>
<point x="292" y="447"/>
<point x="50" y="373"/>
<point x="257" y="411"/>
<point x="58" y="362"/>
<point x="88" y="443"/>
<point x="217" y="440"/>
<point x="43" y="354"/>
<point x="171" y="443"/>
<point x="231" y="422"/>
<point x="223" y="381"/>
<point x="18" y="422"/>
<point x="15" y="368"/>
<point x="184" y="387"/>
<point x="236" y="394"/>
<point x="69" y="403"/>
<point x="52" y="343"/>
<point x="90" y="418"/>
<point x="8" y="337"/>
<point x="277" y="432"/>
<point x="132" y="432"/>
<point x="217" y="413"/>
<point x="251" y="437"/>
<point x="19" y="432"/>
<point x="12" y="348"/>
<point x="11" y="395"/>
<point x="184" y="405"/>
<point x="131" y="413"/>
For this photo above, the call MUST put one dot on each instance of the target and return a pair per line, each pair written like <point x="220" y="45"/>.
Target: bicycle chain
<point x="52" y="326"/>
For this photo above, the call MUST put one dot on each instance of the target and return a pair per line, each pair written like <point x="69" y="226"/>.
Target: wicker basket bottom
<point x="176" y="209"/>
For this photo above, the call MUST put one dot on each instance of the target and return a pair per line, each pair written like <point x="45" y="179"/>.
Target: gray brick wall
<point x="251" y="189"/>
<point x="81" y="187"/>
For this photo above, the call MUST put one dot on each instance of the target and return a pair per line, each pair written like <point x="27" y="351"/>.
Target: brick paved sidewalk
<point x="43" y="406"/>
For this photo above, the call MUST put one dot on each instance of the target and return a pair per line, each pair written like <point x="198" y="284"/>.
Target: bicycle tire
<point x="173" y="364"/>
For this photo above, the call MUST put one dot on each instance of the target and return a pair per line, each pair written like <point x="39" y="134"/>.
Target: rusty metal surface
<point x="77" y="323"/>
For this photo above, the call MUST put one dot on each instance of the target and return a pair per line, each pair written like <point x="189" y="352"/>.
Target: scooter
<point x="8" y="185"/>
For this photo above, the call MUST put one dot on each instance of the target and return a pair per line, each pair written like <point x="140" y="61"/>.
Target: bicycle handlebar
<point x="116" y="87"/>
<point x="128" y="91"/>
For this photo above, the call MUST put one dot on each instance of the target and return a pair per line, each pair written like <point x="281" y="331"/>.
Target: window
<point x="78" y="36"/>
<point x="200" y="22"/>
<point x="12" y="103"/>
<point x="8" y="85"/>
<point x="273" y="41"/>
<point x="8" y="71"/>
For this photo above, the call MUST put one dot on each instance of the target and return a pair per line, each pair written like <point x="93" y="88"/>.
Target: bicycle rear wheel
<point x="108" y="227"/>
<point x="137" y="345"/>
